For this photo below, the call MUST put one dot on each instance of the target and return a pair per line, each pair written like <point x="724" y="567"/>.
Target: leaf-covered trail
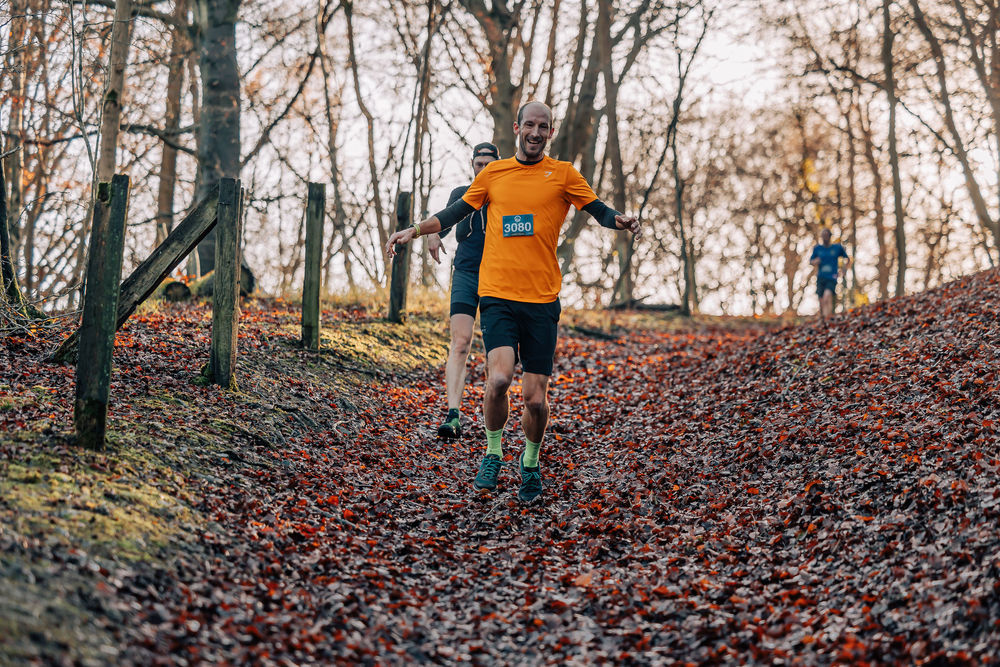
<point x="373" y="545"/>
<point x="816" y="494"/>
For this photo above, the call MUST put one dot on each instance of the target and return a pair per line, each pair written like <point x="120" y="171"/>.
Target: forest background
<point x="736" y="129"/>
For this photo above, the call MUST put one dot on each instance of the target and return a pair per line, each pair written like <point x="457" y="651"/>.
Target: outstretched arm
<point x="612" y="219"/>
<point x="431" y="225"/>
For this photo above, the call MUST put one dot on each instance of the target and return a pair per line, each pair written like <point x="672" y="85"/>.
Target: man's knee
<point x="499" y="381"/>
<point x="536" y="407"/>
<point x="461" y="343"/>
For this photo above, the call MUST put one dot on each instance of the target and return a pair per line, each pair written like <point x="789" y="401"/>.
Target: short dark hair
<point x="520" y="112"/>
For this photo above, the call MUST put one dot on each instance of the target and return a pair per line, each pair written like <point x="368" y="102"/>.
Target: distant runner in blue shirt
<point x="471" y="235"/>
<point x="826" y="257"/>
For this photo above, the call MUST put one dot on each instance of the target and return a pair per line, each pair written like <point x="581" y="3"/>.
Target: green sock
<point x="530" y="459"/>
<point x="493" y="445"/>
<point x="453" y="414"/>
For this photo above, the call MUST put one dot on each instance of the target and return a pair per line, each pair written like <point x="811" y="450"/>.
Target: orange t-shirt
<point x="522" y="265"/>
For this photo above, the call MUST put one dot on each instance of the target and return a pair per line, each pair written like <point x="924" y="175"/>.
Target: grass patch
<point x="104" y="501"/>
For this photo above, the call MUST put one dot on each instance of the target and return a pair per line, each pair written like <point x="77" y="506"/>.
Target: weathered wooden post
<point x="144" y="279"/>
<point x="400" y="263"/>
<point x="100" y="309"/>
<point x="315" y="208"/>
<point x="226" y="294"/>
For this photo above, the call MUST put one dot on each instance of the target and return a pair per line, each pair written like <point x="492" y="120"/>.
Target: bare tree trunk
<point x="332" y="131"/>
<point x="11" y="294"/>
<point x="852" y="192"/>
<point x="897" y="190"/>
<point x="383" y="224"/>
<point x="576" y="138"/>
<point x="550" y="53"/>
<point x="168" y="161"/>
<point x="193" y="267"/>
<point x="882" y="266"/>
<point x="958" y="145"/>
<point x="498" y="23"/>
<point x="219" y="122"/>
<point x="15" y="129"/>
<point x="563" y="138"/>
<point x="588" y="169"/>
<point x="114" y="93"/>
<point x="624" y="287"/>
<point x="683" y="69"/>
<point x="111" y="114"/>
<point x="679" y="212"/>
<point x="989" y="77"/>
<point x="422" y="128"/>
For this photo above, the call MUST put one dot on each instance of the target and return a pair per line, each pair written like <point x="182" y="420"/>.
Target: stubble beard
<point x="527" y="148"/>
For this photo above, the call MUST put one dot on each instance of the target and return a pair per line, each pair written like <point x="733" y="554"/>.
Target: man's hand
<point x="628" y="222"/>
<point x="435" y="246"/>
<point x="401" y="237"/>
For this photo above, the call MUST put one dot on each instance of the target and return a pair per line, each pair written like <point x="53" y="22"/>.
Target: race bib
<point x="519" y="225"/>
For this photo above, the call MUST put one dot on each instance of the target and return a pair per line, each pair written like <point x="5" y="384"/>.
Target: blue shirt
<point x="828" y="256"/>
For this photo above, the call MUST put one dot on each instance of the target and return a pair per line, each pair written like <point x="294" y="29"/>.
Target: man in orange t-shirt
<point x="529" y="196"/>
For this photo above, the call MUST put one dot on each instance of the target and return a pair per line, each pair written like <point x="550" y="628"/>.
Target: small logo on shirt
<point x="547" y="174"/>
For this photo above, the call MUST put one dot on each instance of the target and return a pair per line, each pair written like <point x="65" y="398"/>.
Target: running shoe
<point x="489" y="473"/>
<point x="451" y="429"/>
<point x="531" y="482"/>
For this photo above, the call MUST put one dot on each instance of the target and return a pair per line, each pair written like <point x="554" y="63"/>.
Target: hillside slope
<point x="826" y="492"/>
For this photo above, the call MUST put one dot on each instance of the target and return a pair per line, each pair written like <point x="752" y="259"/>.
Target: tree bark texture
<point x="958" y="145"/>
<point x="97" y="331"/>
<point x="382" y="224"/>
<point x="888" y="37"/>
<point x="400" y="263"/>
<point x="882" y="266"/>
<point x="168" y="161"/>
<point x="315" y="212"/>
<point x="226" y="295"/>
<point x="15" y="129"/>
<point x="8" y="273"/>
<point x="624" y="286"/>
<point x="114" y="91"/>
<point x="332" y="108"/>
<point x="498" y="22"/>
<point x="219" y="122"/>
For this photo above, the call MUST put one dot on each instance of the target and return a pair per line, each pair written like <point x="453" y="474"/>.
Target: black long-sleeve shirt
<point x="470" y="232"/>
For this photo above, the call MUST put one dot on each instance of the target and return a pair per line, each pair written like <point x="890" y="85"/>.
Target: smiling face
<point x="533" y="129"/>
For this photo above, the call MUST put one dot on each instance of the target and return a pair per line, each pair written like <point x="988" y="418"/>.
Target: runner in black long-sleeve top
<point x="471" y="234"/>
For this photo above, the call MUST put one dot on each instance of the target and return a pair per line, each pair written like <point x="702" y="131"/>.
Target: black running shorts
<point x="464" y="292"/>
<point x="529" y="328"/>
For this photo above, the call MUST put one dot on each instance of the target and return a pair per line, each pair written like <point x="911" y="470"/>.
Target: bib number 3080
<point x="519" y="225"/>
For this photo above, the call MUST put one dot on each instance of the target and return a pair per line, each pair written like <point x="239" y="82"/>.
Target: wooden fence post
<point x="100" y="308"/>
<point x="226" y="293"/>
<point x="400" y="263"/>
<point x="315" y="207"/>
<point x="144" y="279"/>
